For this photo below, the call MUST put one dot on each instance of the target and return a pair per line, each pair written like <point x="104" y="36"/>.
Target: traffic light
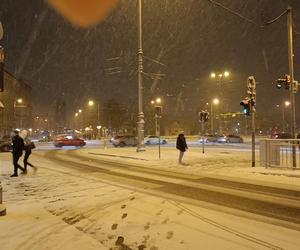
<point x="158" y="110"/>
<point x="203" y="116"/>
<point x="286" y="82"/>
<point x="206" y="116"/>
<point x="246" y="106"/>
<point x="295" y="87"/>
<point x="251" y="85"/>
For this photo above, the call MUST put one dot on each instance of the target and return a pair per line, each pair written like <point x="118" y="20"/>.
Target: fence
<point x="279" y="153"/>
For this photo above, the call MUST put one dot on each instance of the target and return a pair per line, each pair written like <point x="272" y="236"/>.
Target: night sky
<point x="191" y="38"/>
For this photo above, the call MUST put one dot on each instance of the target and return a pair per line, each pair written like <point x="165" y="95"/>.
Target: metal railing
<point x="279" y="153"/>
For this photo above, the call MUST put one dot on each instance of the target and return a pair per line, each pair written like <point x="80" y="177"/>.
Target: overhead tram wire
<point x="295" y="31"/>
<point x="246" y="18"/>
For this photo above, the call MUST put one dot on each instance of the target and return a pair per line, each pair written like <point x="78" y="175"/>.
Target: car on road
<point x="208" y="138"/>
<point x="283" y="135"/>
<point x="123" y="141"/>
<point x="5" y="144"/>
<point x="68" y="140"/>
<point x="154" y="140"/>
<point x="234" y="139"/>
<point x="221" y="138"/>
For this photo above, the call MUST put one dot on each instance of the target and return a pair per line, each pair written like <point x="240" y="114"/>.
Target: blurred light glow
<point x="226" y="73"/>
<point x="213" y="75"/>
<point x="91" y="103"/>
<point x="216" y="101"/>
<point x="287" y="103"/>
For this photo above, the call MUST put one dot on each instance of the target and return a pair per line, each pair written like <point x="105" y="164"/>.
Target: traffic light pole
<point x="291" y="73"/>
<point x="253" y="134"/>
<point x="157" y="130"/>
<point x="202" y="129"/>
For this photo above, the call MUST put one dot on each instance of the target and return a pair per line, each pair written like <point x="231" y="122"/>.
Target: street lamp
<point x="18" y="104"/>
<point x="286" y="104"/>
<point x="158" y="113"/>
<point x="91" y="103"/>
<point x="220" y="75"/>
<point x="215" y="101"/>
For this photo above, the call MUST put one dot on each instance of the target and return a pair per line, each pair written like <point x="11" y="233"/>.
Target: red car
<point x="68" y="140"/>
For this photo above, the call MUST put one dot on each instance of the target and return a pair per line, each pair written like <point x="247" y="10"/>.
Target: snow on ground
<point x="217" y="162"/>
<point x="59" y="208"/>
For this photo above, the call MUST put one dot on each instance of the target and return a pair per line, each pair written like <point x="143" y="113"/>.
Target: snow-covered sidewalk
<point x="59" y="208"/>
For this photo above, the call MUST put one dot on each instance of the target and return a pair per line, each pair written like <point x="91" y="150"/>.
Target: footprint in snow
<point x="169" y="235"/>
<point x="165" y="221"/>
<point x="147" y="226"/>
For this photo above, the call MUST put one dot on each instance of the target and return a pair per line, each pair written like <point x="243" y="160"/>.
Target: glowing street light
<point x="91" y="103"/>
<point x="213" y="75"/>
<point x="76" y="114"/>
<point x="287" y="103"/>
<point x="215" y="101"/>
<point x="79" y="110"/>
<point x="20" y="100"/>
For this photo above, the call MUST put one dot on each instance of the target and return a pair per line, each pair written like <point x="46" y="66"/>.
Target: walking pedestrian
<point x="28" y="146"/>
<point x="181" y="146"/>
<point x="17" y="150"/>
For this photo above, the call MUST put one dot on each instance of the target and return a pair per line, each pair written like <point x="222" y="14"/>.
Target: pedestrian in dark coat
<point x="17" y="150"/>
<point x="181" y="146"/>
<point x="28" y="146"/>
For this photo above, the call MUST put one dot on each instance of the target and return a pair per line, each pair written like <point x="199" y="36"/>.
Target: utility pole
<point x="203" y="117"/>
<point x="291" y="73"/>
<point x="253" y="134"/>
<point x="141" y="121"/>
<point x="251" y="84"/>
<point x="249" y="109"/>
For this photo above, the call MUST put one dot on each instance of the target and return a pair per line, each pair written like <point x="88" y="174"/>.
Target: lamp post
<point x="215" y="101"/>
<point x="220" y="76"/>
<point x="158" y="113"/>
<point x="140" y="116"/>
<point x="283" y="106"/>
<point x="18" y="104"/>
<point x="91" y="103"/>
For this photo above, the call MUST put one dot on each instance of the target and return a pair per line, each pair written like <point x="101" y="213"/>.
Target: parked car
<point x="5" y="144"/>
<point x="221" y="138"/>
<point x="154" y="140"/>
<point x="234" y="139"/>
<point x="283" y="135"/>
<point x="68" y="140"/>
<point x="122" y="141"/>
<point x="208" y="138"/>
